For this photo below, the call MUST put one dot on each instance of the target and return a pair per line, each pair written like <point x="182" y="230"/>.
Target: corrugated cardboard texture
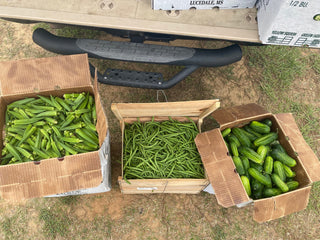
<point x="213" y="151"/>
<point x="51" y="176"/>
<point x="56" y="76"/>
<point x="102" y="124"/>
<point x="307" y="157"/>
<point x="220" y="169"/>
<point x="231" y="116"/>
<point x="44" y="74"/>
<point x="2" y="120"/>
<point x="282" y="205"/>
<point x="190" y="109"/>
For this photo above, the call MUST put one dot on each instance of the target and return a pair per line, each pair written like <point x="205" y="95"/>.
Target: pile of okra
<point x="157" y="150"/>
<point x="49" y="127"/>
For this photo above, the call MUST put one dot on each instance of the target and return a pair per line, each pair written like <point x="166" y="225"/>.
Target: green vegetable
<point x="268" y="165"/>
<point x="234" y="149"/>
<point x="259" y="127"/>
<point x="35" y="128"/>
<point x="243" y="139"/>
<point x="283" y="157"/>
<point x="264" y="179"/>
<point x="246" y="183"/>
<point x="279" y="170"/>
<point x="279" y="183"/>
<point x="239" y="166"/>
<point x="271" y="192"/>
<point x="265" y="139"/>
<point x="251" y="155"/>
<point x="292" y="185"/>
<point x="153" y="150"/>
<point x="225" y="132"/>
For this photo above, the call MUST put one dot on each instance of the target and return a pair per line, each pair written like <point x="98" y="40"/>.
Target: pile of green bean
<point x="49" y="127"/>
<point x="157" y="150"/>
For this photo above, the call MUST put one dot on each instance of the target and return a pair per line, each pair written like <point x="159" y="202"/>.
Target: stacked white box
<point x="189" y="4"/>
<point x="289" y="22"/>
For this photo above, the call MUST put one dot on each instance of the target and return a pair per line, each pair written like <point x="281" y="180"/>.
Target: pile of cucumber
<point x="49" y="127"/>
<point x="264" y="166"/>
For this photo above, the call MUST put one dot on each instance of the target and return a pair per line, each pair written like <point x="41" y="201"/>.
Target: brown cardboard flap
<point x="44" y="74"/>
<point x="189" y="108"/>
<point x="28" y="180"/>
<point x="102" y="122"/>
<point x="276" y="207"/>
<point x="225" y="116"/>
<point x="307" y="157"/>
<point x="220" y="169"/>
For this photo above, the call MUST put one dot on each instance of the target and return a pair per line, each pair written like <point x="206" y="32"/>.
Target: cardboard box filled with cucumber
<point x="261" y="158"/>
<point x="53" y="127"/>
<point x="159" y="154"/>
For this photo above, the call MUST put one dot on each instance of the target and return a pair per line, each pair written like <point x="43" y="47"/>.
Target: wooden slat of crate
<point x="187" y="186"/>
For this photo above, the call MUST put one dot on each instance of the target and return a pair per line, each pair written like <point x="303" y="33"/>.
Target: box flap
<point x="183" y="108"/>
<point x="276" y="207"/>
<point x="51" y="176"/>
<point x="307" y="157"/>
<point x="102" y="122"/>
<point x="44" y="74"/>
<point x="220" y="169"/>
<point x="231" y="115"/>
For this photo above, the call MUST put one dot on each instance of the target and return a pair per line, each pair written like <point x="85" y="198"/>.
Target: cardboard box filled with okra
<point x="159" y="154"/>
<point x="52" y="127"/>
<point x="261" y="158"/>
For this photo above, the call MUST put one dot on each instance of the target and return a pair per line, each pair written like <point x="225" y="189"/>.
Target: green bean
<point x="161" y="150"/>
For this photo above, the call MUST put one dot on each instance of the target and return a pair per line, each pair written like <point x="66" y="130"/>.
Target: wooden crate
<point x="130" y="112"/>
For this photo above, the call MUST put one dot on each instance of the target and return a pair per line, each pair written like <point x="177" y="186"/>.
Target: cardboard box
<point x="49" y="76"/>
<point x="287" y="22"/>
<point x="191" y="4"/>
<point x="226" y="181"/>
<point x="130" y="112"/>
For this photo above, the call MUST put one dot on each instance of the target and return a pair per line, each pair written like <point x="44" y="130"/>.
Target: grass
<point x="55" y="223"/>
<point x="15" y="226"/>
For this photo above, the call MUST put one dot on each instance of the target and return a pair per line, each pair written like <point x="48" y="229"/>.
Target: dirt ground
<point x="113" y="215"/>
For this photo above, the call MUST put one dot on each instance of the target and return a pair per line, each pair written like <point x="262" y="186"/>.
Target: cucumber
<point x="258" y="193"/>
<point x="256" y="185"/>
<point x="267" y="121"/>
<point x="225" y="132"/>
<point x="234" y="149"/>
<point x="283" y="157"/>
<point x="251" y="155"/>
<point x="279" y="183"/>
<point x="228" y="145"/>
<point x="239" y="166"/>
<point x="292" y="185"/>
<point x="263" y="151"/>
<point x="288" y="171"/>
<point x="257" y="166"/>
<point x="259" y="127"/>
<point x="243" y="139"/>
<point x="268" y="165"/>
<point x="264" y="179"/>
<point x="270" y="192"/>
<point x="246" y="183"/>
<point x="245" y="162"/>
<point x="278" y="147"/>
<point x="279" y="170"/>
<point x="265" y="139"/>
<point x="250" y="130"/>
<point x="231" y="137"/>
<point x="251" y="136"/>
